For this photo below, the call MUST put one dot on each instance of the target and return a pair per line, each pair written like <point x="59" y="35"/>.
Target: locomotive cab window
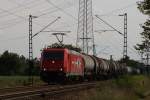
<point x="53" y="55"/>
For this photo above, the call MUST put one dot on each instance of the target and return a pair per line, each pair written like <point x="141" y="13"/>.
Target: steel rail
<point x="46" y="91"/>
<point x="4" y="91"/>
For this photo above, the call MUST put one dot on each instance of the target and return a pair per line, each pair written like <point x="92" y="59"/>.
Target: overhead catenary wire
<point x="20" y="8"/>
<point x="115" y="30"/>
<point x="5" y="26"/>
<point x="46" y="27"/>
<point x="61" y="9"/>
<point x="26" y="6"/>
<point x="15" y="38"/>
<point x="55" y="9"/>
<point x="29" y="5"/>
<point x="134" y="51"/>
<point x="12" y="13"/>
<point x="50" y="11"/>
<point x="109" y="24"/>
<point x="118" y="9"/>
<point x="119" y="33"/>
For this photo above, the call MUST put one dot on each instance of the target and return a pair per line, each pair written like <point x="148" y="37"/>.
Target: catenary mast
<point x="85" y="36"/>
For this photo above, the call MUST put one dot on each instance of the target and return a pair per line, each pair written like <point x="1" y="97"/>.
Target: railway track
<point x="44" y="92"/>
<point x="20" y="88"/>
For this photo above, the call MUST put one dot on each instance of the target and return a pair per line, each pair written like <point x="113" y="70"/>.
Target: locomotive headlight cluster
<point x="61" y="69"/>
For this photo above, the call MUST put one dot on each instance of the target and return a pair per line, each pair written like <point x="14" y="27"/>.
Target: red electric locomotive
<point x="61" y="64"/>
<point x="58" y="64"/>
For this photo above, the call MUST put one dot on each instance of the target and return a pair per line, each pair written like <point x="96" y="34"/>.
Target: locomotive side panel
<point x="75" y="63"/>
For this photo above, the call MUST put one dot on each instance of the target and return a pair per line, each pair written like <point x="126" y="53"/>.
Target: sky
<point x="14" y="16"/>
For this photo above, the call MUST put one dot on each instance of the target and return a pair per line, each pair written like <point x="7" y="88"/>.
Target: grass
<point x="13" y="81"/>
<point x="124" y="88"/>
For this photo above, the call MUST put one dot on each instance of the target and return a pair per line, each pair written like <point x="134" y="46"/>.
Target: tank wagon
<point x="61" y="64"/>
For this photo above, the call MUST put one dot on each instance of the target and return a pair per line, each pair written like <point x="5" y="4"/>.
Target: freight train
<point x="61" y="64"/>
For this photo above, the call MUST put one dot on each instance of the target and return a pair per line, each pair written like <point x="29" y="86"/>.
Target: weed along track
<point x="42" y="92"/>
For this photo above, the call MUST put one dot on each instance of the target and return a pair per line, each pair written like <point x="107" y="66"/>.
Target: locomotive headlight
<point x="53" y="62"/>
<point x="44" y="69"/>
<point x="61" y="69"/>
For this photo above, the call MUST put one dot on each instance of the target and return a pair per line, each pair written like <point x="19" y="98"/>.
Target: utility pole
<point x="30" y="39"/>
<point x="30" y="50"/>
<point x="125" y="46"/>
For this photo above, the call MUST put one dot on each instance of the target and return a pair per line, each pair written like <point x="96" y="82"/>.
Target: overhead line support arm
<point x="46" y="27"/>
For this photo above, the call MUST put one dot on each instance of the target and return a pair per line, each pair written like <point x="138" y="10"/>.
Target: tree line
<point x="13" y="64"/>
<point x="144" y="46"/>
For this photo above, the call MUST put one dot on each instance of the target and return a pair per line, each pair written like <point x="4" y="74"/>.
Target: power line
<point x="108" y="24"/>
<point x="17" y="9"/>
<point x="14" y="38"/>
<point x="50" y="12"/>
<point x="54" y="9"/>
<point x="11" y="13"/>
<point x="118" y="9"/>
<point x="11" y="24"/>
<point x="62" y="10"/>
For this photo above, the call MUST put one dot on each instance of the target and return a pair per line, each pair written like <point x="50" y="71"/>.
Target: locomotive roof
<point x="60" y="49"/>
<point x="45" y="49"/>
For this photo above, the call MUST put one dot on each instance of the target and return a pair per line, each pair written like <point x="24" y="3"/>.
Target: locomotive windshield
<point x="53" y="55"/>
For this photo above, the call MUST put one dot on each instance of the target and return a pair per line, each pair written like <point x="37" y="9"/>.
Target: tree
<point x="144" y="46"/>
<point x="13" y="64"/>
<point x="144" y="7"/>
<point x="9" y="63"/>
<point x="71" y="47"/>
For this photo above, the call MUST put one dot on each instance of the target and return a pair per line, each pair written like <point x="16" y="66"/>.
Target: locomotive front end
<point x="52" y="65"/>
